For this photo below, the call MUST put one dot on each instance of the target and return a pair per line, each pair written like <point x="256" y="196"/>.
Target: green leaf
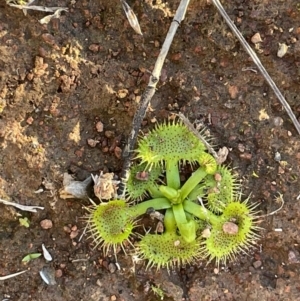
<point x="31" y="256"/>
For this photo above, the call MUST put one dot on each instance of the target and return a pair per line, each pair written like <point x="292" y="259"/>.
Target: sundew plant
<point x="203" y="216"/>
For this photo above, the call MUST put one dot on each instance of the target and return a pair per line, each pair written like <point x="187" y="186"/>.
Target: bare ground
<point x="58" y="80"/>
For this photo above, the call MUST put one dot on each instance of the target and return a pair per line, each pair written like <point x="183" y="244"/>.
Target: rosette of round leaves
<point x="234" y="232"/>
<point x="167" y="250"/>
<point x="110" y="224"/>
<point x="222" y="189"/>
<point x="169" y="142"/>
<point x="142" y="181"/>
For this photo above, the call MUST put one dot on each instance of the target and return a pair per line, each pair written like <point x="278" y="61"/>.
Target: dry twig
<point x="150" y="90"/>
<point x="12" y="275"/>
<point x="21" y="207"/>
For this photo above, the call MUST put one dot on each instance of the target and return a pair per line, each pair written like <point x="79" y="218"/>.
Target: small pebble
<point x="256" y="38"/>
<point x="122" y="93"/>
<point x="29" y="120"/>
<point x="46" y="224"/>
<point x="246" y="156"/>
<point x="94" y="47"/>
<point x="30" y="76"/>
<point x="218" y="177"/>
<point x="92" y="142"/>
<point x="118" y="152"/>
<point x="2" y="128"/>
<point x="282" y="50"/>
<point x="112" y="267"/>
<point x="74" y="228"/>
<point x="230" y="228"/>
<point x="58" y="273"/>
<point x="277" y="157"/>
<point x="142" y="175"/>
<point x="241" y="147"/>
<point x="292" y="257"/>
<point x="113" y="298"/>
<point x="73" y="234"/>
<point x="67" y="229"/>
<point x="49" y="38"/>
<point x="206" y="233"/>
<point x="98" y="282"/>
<point x="99" y="127"/>
<point x="109" y="134"/>
<point x="278" y="121"/>
<point x="257" y="264"/>
<point x="176" y="243"/>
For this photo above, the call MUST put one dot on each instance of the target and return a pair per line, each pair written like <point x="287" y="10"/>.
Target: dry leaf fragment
<point x="46" y="253"/>
<point x="222" y="154"/>
<point x="105" y="186"/>
<point x="36" y="7"/>
<point x="74" y="189"/>
<point x="55" y="10"/>
<point x="132" y="19"/>
<point x="48" y="275"/>
<point x="57" y="13"/>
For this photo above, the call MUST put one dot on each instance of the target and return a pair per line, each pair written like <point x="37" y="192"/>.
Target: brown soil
<point x="58" y="80"/>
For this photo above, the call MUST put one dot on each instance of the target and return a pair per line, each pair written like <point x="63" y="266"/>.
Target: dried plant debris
<point x="47" y="274"/>
<point x="12" y="275"/>
<point x="222" y="154"/>
<point x="105" y="186"/>
<point x="25" y="5"/>
<point x="57" y="14"/>
<point x="21" y="207"/>
<point x="132" y="19"/>
<point x="74" y="189"/>
<point x="46" y="253"/>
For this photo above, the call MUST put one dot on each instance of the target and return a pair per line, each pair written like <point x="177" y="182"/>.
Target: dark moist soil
<point x="58" y="80"/>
